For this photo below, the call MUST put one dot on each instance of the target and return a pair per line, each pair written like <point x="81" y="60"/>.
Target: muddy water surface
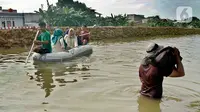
<point x="107" y="81"/>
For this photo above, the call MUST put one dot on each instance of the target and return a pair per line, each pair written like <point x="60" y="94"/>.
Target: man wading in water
<point x="158" y="63"/>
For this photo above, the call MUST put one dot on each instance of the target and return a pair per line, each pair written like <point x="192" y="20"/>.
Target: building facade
<point x="10" y="18"/>
<point x="31" y="19"/>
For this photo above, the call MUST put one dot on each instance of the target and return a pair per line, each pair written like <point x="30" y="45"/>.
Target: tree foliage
<point x="74" y="13"/>
<point x="156" y="21"/>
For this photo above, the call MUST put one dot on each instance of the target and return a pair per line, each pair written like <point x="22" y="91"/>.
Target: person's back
<point x="151" y="80"/>
<point x="57" y="47"/>
<point x="56" y="41"/>
<point x="160" y="62"/>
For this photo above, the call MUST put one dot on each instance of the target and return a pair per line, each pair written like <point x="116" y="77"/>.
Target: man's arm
<point x="41" y="42"/>
<point x="45" y="42"/>
<point x="88" y="34"/>
<point x="179" y="70"/>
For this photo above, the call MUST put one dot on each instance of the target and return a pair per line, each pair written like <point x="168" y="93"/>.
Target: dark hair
<point x="42" y="24"/>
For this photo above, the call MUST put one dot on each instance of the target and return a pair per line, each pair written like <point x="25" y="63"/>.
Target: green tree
<point x="70" y="13"/>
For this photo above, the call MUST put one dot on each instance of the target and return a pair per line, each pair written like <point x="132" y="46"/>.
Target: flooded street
<point x="107" y="81"/>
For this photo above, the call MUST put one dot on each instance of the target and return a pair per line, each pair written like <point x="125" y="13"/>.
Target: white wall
<point x="31" y="17"/>
<point x="18" y="20"/>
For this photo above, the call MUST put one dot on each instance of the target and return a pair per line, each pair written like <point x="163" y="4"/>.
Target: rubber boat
<point x="79" y="51"/>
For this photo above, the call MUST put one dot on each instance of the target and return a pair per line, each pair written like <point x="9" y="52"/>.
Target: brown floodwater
<point x="107" y="81"/>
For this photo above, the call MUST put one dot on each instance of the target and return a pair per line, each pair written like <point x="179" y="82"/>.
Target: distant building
<point x="98" y="14"/>
<point x="145" y="20"/>
<point x="31" y="19"/>
<point x="10" y="18"/>
<point x="135" y="18"/>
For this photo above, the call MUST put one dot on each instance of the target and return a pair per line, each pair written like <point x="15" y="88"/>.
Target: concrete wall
<point x="19" y="22"/>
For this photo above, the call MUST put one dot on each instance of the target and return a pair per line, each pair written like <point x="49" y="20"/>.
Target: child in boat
<point x="71" y="39"/>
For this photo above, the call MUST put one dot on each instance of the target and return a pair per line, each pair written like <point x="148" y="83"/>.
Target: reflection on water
<point x="44" y="77"/>
<point x="46" y="72"/>
<point x="148" y="105"/>
<point x="105" y="82"/>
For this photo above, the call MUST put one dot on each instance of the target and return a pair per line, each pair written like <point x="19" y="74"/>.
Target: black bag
<point x="164" y="60"/>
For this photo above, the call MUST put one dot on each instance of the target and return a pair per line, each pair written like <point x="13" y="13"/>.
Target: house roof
<point x="10" y="14"/>
<point x="135" y="15"/>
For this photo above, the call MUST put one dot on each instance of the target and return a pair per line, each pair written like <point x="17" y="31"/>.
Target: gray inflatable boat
<point x="79" y="51"/>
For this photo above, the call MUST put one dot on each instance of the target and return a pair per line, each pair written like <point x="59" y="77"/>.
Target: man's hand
<point x="179" y="70"/>
<point x="37" y="42"/>
<point x="177" y="54"/>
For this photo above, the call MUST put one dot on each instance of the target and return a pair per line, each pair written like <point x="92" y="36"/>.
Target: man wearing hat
<point x="43" y="40"/>
<point x="160" y="61"/>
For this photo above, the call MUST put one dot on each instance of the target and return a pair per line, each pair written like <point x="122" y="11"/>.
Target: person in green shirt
<point x="43" y="41"/>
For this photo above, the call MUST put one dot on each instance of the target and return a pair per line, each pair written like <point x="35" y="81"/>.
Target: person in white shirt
<point x="71" y="39"/>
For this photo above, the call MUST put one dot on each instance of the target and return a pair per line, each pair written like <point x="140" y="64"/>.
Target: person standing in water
<point x="43" y="41"/>
<point x="159" y="63"/>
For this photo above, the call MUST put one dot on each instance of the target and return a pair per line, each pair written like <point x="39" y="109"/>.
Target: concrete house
<point x="135" y="18"/>
<point x="10" y="18"/>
